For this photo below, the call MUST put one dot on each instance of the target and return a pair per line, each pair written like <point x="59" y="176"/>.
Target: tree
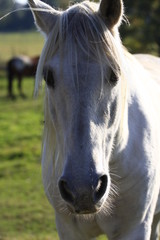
<point x="16" y="21"/>
<point x="5" y="5"/>
<point x="143" y="34"/>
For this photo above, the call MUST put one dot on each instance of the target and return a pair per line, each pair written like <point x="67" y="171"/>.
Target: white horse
<point x="101" y="148"/>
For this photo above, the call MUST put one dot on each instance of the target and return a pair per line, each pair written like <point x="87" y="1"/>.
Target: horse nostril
<point x="65" y="191"/>
<point x="101" y="188"/>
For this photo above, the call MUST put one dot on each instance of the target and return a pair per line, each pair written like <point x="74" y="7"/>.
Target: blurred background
<point x="24" y="210"/>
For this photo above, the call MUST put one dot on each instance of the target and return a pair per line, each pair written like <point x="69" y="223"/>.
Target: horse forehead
<point x="65" y="56"/>
<point x="81" y="65"/>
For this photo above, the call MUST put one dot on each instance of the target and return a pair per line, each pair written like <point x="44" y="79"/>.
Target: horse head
<point x="81" y="67"/>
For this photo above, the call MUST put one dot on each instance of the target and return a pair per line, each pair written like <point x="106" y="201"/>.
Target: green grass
<point x="25" y="213"/>
<point x="25" y="43"/>
<point x="24" y="210"/>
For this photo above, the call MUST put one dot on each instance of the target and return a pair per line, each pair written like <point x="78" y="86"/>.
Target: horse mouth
<point x="85" y="200"/>
<point x="83" y="209"/>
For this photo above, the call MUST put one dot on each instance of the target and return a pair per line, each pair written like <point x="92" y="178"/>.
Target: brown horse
<point x="20" y="66"/>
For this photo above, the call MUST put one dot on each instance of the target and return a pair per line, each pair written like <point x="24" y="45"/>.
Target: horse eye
<point x="49" y="78"/>
<point x="113" y="77"/>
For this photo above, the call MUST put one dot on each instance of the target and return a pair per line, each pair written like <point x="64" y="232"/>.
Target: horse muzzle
<point x="83" y="198"/>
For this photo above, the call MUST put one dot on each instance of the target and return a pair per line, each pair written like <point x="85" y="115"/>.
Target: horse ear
<point x="111" y="11"/>
<point x="45" y="16"/>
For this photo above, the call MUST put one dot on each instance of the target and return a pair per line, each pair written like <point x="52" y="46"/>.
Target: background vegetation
<point x="143" y="34"/>
<point x="24" y="210"/>
<point x="25" y="213"/>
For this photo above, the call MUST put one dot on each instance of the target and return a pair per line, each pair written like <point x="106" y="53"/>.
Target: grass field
<point x="25" y="213"/>
<point x="24" y="209"/>
<point x="27" y="43"/>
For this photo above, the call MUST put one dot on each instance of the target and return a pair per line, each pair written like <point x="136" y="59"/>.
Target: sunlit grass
<point x="26" y="43"/>
<point x="24" y="210"/>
